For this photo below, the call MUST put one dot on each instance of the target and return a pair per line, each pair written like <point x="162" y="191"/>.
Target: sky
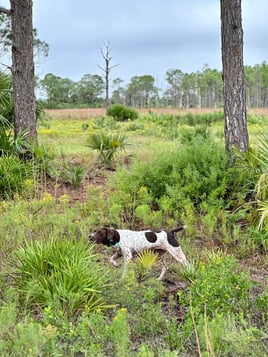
<point x="145" y="36"/>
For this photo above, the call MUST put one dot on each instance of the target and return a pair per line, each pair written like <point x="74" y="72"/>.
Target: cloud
<point x="146" y="36"/>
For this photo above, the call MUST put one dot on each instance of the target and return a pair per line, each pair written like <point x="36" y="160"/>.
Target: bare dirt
<point x="79" y="194"/>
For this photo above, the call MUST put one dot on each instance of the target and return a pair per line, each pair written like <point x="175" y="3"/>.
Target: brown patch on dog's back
<point x="151" y="237"/>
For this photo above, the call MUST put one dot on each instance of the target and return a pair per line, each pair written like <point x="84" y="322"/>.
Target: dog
<point x="130" y="243"/>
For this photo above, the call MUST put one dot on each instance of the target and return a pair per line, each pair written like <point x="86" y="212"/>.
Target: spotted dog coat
<point x="129" y="243"/>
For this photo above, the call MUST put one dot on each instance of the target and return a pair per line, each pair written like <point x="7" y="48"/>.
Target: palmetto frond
<point x="107" y="144"/>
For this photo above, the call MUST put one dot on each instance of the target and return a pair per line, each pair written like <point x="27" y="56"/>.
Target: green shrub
<point x="261" y="302"/>
<point x="6" y="102"/>
<point x="105" y="123"/>
<point x="229" y="335"/>
<point x="253" y="165"/>
<point x="200" y="119"/>
<point x="10" y="145"/>
<point x="217" y="287"/>
<point x="128" y="193"/>
<point x="189" y="135"/>
<point x="61" y="274"/>
<point x="194" y="174"/>
<point x="29" y="336"/>
<point x="44" y="156"/>
<point x="145" y="262"/>
<point x="122" y="113"/>
<point x="14" y="172"/>
<point x="71" y="172"/>
<point x="107" y="145"/>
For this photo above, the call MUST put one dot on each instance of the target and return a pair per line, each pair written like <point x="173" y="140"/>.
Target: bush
<point x="44" y="156"/>
<point x="107" y="145"/>
<point x="71" y="172"/>
<point x="229" y="335"/>
<point x="13" y="172"/>
<point x="60" y="274"/>
<point x="196" y="173"/>
<point x="105" y="123"/>
<point x="121" y="112"/>
<point x="217" y="287"/>
<point x="200" y="119"/>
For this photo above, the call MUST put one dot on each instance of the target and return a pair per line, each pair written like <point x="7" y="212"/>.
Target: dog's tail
<point x="178" y="229"/>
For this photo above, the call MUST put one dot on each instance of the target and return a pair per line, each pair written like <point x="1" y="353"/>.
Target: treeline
<point x="202" y="89"/>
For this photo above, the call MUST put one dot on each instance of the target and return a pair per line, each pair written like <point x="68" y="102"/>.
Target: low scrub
<point x="217" y="287"/>
<point x="196" y="173"/>
<point x="122" y="113"/>
<point x="58" y="297"/>
<point x="61" y="275"/>
<point x="14" y="173"/>
<point x="107" y="145"/>
<point x="217" y="301"/>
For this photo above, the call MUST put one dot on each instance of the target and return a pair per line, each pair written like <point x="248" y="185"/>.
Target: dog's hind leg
<point x="164" y="268"/>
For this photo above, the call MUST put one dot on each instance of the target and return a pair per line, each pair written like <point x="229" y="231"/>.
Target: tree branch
<point x="4" y="10"/>
<point x="5" y="65"/>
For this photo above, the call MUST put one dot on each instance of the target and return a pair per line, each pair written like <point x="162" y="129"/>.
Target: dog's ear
<point x="181" y="228"/>
<point x="109" y="233"/>
<point x="171" y="236"/>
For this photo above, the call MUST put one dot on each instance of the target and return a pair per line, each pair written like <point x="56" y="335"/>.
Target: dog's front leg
<point x="164" y="268"/>
<point x="117" y="254"/>
<point x="127" y="259"/>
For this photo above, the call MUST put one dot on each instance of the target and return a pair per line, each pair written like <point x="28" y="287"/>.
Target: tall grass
<point x="60" y="274"/>
<point x="14" y="173"/>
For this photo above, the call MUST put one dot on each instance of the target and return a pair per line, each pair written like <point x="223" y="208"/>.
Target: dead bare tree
<point x="105" y="52"/>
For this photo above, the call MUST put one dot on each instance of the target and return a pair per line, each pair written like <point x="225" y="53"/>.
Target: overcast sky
<point x="145" y="36"/>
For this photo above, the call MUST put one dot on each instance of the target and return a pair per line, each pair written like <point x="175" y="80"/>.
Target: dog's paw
<point x="116" y="264"/>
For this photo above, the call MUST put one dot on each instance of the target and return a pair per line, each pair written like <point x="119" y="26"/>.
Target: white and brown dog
<point x="129" y="243"/>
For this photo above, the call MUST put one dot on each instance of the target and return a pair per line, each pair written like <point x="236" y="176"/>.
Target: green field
<point x="60" y="296"/>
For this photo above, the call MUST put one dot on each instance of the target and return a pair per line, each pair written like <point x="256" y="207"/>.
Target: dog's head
<point x="105" y="236"/>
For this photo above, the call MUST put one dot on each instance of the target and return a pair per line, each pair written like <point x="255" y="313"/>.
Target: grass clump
<point x="107" y="145"/>
<point x="121" y="112"/>
<point x="60" y="274"/>
<point x="14" y="173"/>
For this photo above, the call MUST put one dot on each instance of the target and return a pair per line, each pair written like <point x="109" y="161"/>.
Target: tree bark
<point x="23" y="68"/>
<point x="235" y="113"/>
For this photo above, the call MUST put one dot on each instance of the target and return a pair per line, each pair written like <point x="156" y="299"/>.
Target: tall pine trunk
<point x="23" y="68"/>
<point x="235" y="113"/>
